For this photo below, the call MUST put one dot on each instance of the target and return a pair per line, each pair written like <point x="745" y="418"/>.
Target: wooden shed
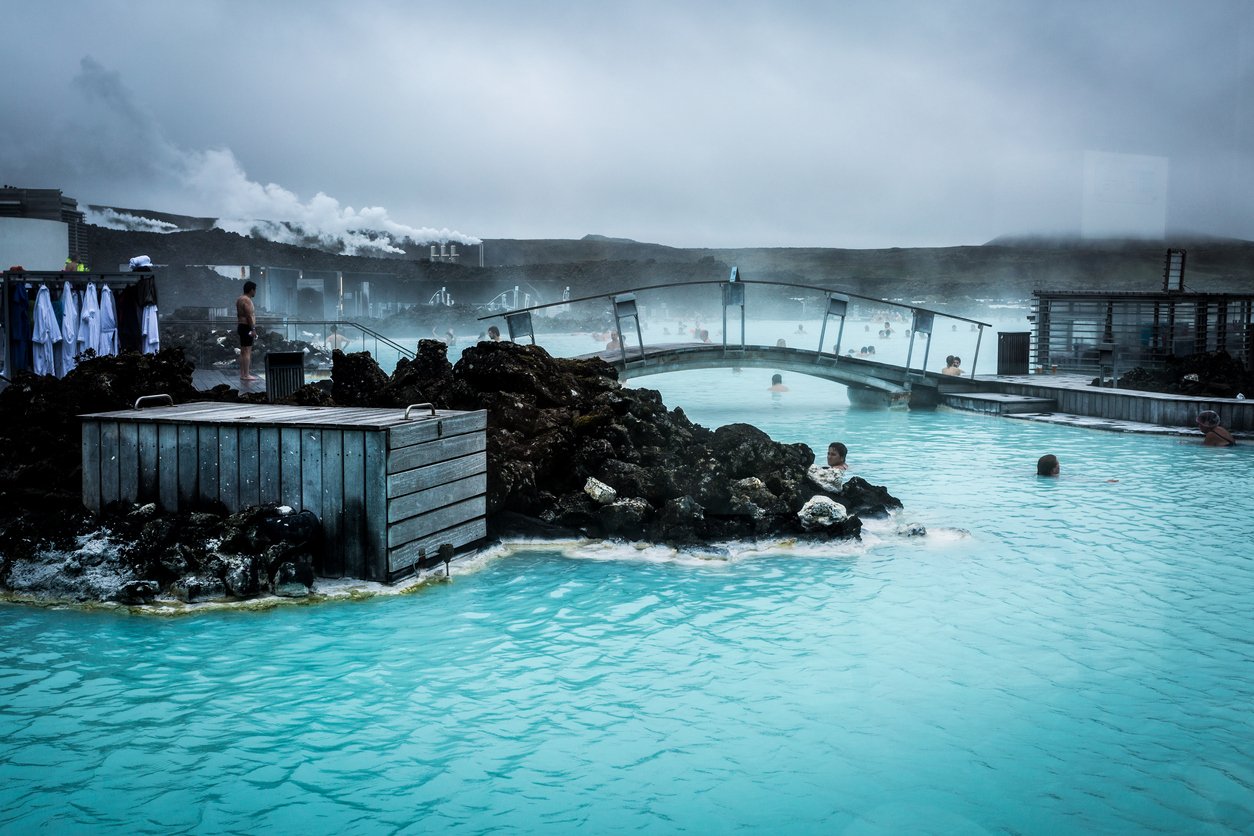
<point x="389" y="485"/>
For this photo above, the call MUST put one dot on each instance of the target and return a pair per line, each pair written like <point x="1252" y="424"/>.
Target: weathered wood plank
<point x="200" y="412"/>
<point x="283" y="416"/>
<point x="228" y="467"/>
<point x="91" y="465"/>
<point x="128" y="463"/>
<point x="353" y="520"/>
<point x="249" y="475"/>
<point x="148" y="463"/>
<point x="332" y="503"/>
<point x="268" y="465"/>
<point x="374" y="543"/>
<point x="402" y="558"/>
<point x="323" y="417"/>
<point x="448" y="516"/>
<point x="419" y="502"/>
<point x="311" y="471"/>
<point x="188" y="464"/>
<point x="421" y="478"/>
<point x="108" y="462"/>
<point x="207" y="458"/>
<point x="450" y="447"/>
<point x="349" y="418"/>
<point x="419" y="430"/>
<point x="167" y="467"/>
<point x="289" y="467"/>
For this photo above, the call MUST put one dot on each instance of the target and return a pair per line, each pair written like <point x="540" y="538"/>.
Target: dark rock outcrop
<point x="570" y="450"/>
<point x="554" y="424"/>
<point x="1216" y="374"/>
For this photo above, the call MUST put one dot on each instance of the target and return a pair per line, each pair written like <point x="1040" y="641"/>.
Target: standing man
<point x="246" y="316"/>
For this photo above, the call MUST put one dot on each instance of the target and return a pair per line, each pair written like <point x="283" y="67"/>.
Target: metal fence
<point x="214" y="341"/>
<point x="1086" y="332"/>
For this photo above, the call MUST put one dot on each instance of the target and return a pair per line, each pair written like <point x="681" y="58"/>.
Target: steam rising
<point x="114" y="142"/>
<point x="114" y="219"/>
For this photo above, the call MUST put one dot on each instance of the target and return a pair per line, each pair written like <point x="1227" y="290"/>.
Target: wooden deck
<point x="206" y="379"/>
<point x="1073" y="395"/>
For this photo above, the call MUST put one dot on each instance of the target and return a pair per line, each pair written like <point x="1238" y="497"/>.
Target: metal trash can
<point x="285" y="373"/>
<point x="1012" y="352"/>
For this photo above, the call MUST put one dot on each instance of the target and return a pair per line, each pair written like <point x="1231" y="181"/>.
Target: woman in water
<point x="1213" y="434"/>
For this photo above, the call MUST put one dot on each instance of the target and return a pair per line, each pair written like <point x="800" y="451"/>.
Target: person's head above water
<point x="836" y="452"/>
<point x="1208" y="419"/>
<point x="1047" y="465"/>
<point x="777" y="379"/>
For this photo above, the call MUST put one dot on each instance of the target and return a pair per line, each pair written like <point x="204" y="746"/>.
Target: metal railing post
<point x="979" y="335"/>
<point x="734" y="294"/>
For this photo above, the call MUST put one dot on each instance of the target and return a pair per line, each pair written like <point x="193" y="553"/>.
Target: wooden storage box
<point x="390" y="486"/>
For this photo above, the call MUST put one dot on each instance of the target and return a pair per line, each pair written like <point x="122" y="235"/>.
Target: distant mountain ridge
<point x="1009" y="267"/>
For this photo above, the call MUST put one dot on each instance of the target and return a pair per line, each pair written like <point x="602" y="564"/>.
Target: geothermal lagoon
<point x="1054" y="655"/>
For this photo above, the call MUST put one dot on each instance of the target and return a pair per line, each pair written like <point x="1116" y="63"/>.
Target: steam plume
<point x="115" y="143"/>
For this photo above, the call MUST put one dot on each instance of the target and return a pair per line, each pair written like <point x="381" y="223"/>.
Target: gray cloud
<point x="720" y="124"/>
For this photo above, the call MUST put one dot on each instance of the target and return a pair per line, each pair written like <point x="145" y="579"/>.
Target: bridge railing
<point x="738" y="314"/>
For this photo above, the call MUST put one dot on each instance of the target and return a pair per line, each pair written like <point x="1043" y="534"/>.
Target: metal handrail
<point x="618" y="298"/>
<point x="340" y="324"/>
<point x="367" y="332"/>
<point x="414" y="406"/>
<point x="674" y="286"/>
<point x="152" y="399"/>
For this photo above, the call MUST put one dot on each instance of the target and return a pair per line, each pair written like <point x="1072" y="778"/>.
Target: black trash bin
<point x="1012" y="352"/>
<point x="285" y="373"/>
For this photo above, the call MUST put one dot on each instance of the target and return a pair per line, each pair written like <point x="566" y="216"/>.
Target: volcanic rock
<point x="555" y="427"/>
<point x="821" y="512"/>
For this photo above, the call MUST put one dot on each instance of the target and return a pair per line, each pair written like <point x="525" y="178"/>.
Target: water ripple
<point x="1077" y="661"/>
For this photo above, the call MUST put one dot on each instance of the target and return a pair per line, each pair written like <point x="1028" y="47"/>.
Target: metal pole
<point x="979" y="335"/>
<point x="724" y="319"/>
<point x="622" y="346"/>
<point x="4" y="326"/>
<point x="4" y="320"/>
<point x="840" y="335"/>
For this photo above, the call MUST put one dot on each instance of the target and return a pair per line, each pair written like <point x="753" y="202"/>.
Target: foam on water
<point x="1055" y="655"/>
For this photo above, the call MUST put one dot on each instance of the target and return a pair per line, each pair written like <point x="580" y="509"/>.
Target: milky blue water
<point x="1057" y="656"/>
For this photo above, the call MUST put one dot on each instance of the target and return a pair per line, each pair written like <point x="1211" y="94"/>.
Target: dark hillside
<point x="595" y="264"/>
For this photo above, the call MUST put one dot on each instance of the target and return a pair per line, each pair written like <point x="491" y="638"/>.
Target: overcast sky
<point x="723" y="124"/>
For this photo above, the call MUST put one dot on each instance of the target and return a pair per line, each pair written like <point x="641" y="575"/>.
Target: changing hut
<point x="390" y="486"/>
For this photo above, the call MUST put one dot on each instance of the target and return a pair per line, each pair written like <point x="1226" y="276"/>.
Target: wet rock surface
<point x="569" y="446"/>
<point x="570" y="452"/>
<point x="1214" y="375"/>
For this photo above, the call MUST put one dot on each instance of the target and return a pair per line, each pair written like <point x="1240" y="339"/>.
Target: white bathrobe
<point x="45" y="334"/>
<point x="151" y="342"/>
<point x="108" y="343"/>
<point x="89" y="319"/>
<point x="69" y="330"/>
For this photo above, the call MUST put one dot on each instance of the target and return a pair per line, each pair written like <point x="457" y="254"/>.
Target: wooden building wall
<point x="388" y="492"/>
